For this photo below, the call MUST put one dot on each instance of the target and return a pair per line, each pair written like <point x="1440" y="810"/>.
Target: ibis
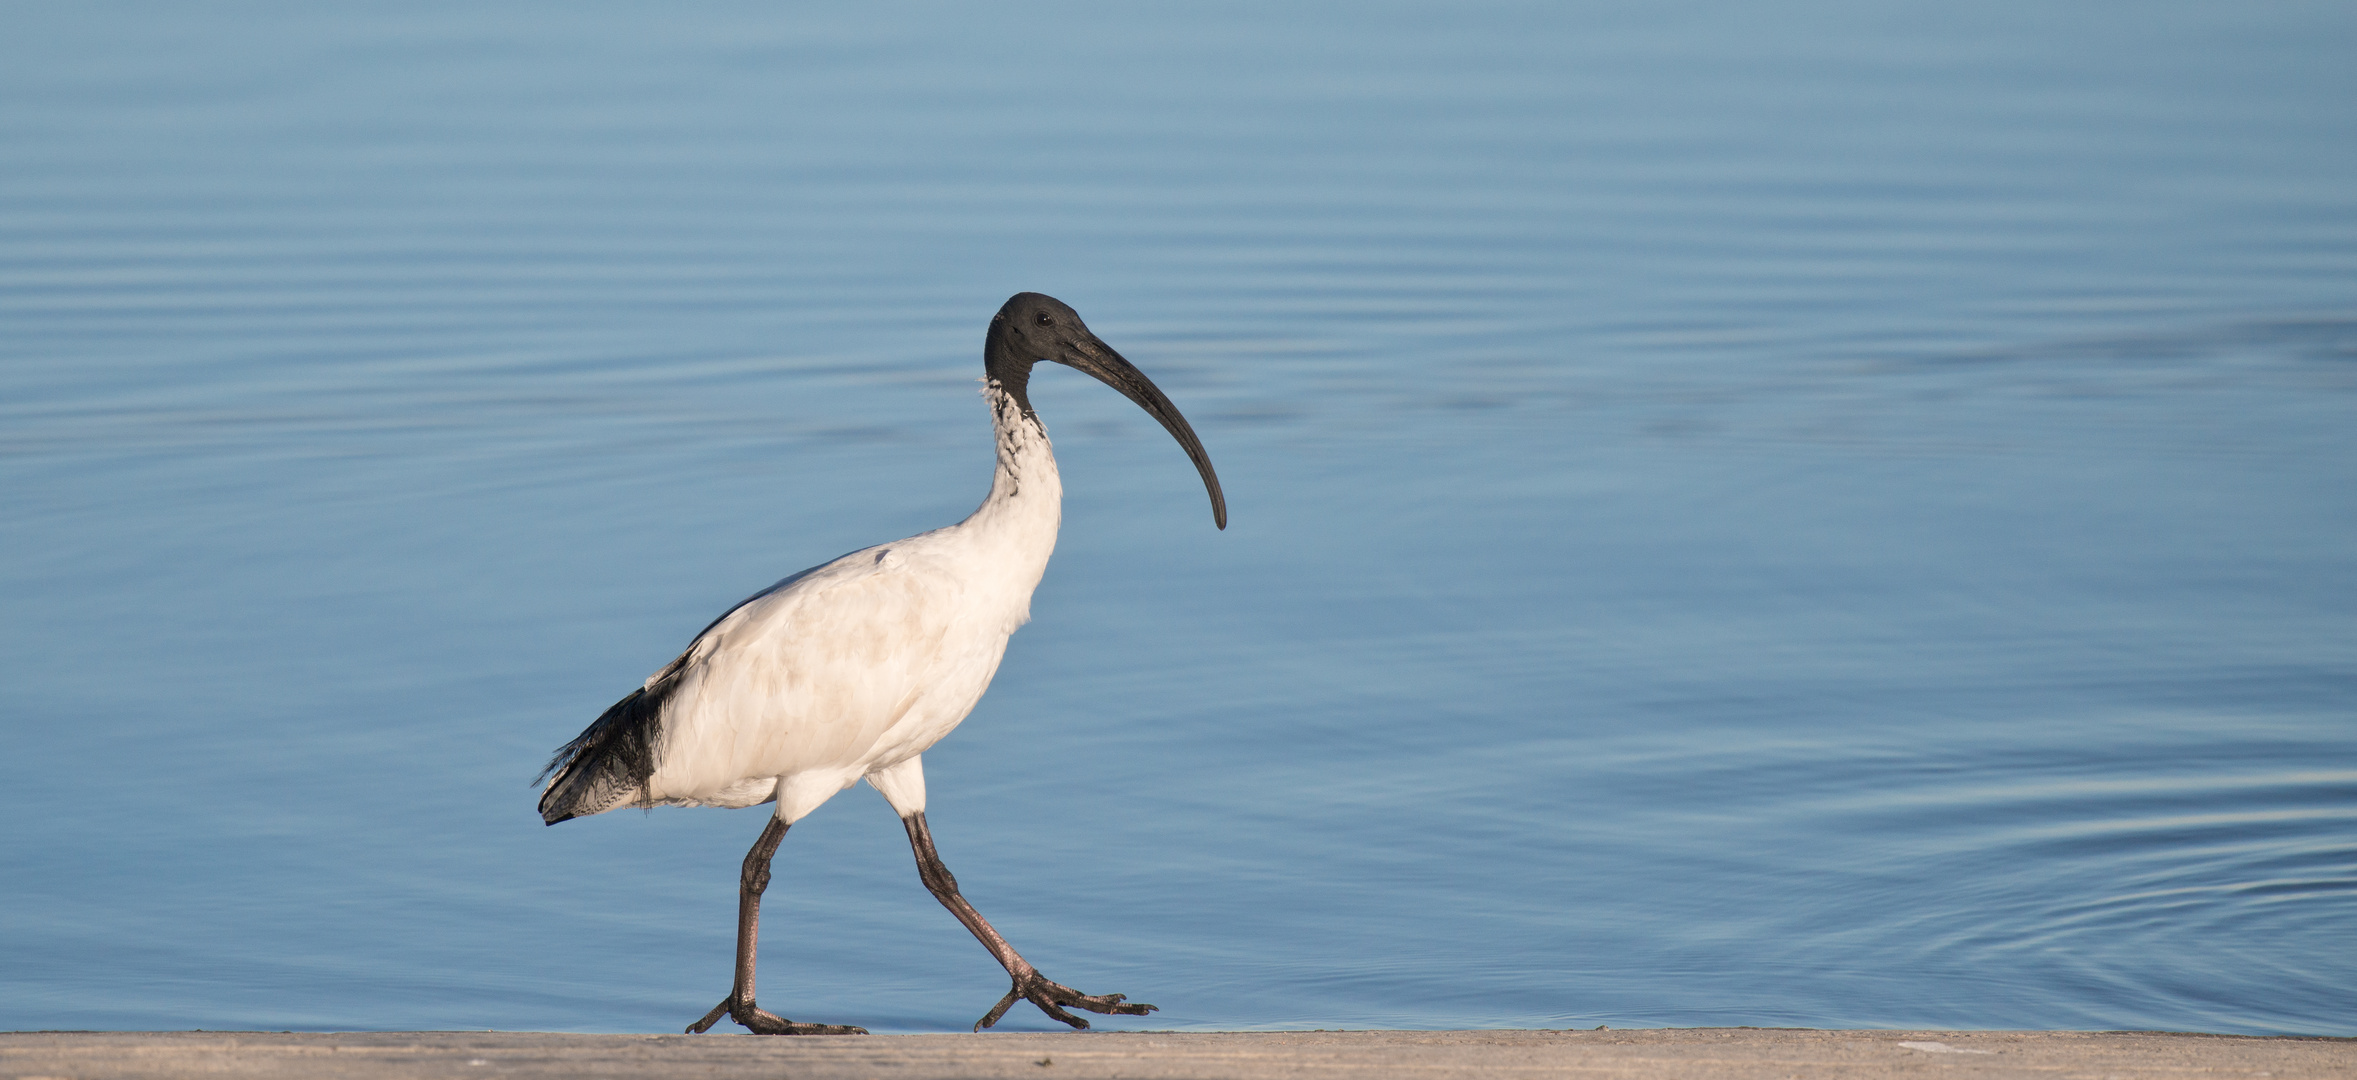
<point x="854" y="668"/>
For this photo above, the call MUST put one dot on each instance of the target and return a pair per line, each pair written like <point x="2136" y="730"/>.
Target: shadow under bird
<point x="854" y="668"/>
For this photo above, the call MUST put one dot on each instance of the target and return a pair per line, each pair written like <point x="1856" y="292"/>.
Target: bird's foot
<point x="763" y="1022"/>
<point x="1052" y="996"/>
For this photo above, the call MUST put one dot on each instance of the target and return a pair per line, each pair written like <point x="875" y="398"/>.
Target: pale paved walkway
<point x="1704" y="1052"/>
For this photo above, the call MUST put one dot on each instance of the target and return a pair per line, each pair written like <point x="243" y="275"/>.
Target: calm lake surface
<point x="1808" y="515"/>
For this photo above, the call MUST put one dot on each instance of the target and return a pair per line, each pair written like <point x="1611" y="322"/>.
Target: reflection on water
<point x="1837" y="518"/>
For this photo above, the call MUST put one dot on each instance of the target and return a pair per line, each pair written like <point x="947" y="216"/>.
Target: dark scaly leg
<point x="739" y="1003"/>
<point x="1030" y="985"/>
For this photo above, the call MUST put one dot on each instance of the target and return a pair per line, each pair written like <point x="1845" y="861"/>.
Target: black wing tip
<point x="553" y="804"/>
<point x="611" y="759"/>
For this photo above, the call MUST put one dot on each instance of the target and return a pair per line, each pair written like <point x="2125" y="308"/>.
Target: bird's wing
<point x="811" y="675"/>
<point x="808" y="673"/>
<point x="612" y="760"/>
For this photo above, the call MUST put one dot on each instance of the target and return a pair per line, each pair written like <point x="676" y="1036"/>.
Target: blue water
<point x="1813" y="514"/>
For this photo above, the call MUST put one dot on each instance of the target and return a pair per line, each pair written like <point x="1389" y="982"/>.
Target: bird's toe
<point x="1052" y="997"/>
<point x="761" y="1021"/>
<point x="711" y="1018"/>
<point x="1110" y="1004"/>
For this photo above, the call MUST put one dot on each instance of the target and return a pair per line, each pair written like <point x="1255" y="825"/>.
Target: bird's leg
<point x="739" y="1003"/>
<point x="1050" y="996"/>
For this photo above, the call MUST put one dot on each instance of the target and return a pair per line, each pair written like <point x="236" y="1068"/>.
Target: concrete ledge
<point x="1687" y="1052"/>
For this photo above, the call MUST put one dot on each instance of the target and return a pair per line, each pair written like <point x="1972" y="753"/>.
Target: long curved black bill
<point x="1098" y="359"/>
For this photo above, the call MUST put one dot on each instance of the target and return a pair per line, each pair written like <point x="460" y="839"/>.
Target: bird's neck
<point x="1026" y="503"/>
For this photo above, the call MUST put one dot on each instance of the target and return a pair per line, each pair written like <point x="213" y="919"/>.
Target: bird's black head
<point x="1034" y="327"/>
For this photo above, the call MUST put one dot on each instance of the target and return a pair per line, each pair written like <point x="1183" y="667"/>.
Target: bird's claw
<point x="1051" y="997"/>
<point x="763" y="1022"/>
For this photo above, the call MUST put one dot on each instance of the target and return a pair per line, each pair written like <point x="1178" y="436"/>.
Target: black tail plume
<point x="611" y="762"/>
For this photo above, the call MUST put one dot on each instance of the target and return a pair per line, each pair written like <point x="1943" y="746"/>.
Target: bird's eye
<point x="1046" y="320"/>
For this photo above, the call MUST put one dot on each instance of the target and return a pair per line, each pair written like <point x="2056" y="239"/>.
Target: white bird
<point x="854" y="668"/>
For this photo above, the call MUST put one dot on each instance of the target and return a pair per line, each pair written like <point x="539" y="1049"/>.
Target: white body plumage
<point x="854" y="668"/>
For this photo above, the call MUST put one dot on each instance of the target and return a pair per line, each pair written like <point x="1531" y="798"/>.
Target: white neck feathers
<point x="1026" y="504"/>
